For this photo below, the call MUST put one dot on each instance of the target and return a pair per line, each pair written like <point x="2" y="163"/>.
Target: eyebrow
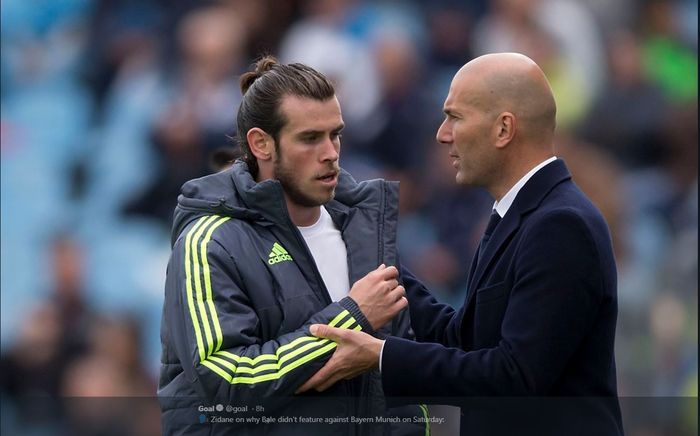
<point x="315" y="132"/>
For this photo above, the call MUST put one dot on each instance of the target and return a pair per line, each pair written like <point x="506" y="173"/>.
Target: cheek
<point x="463" y="146"/>
<point x="461" y="137"/>
<point x="295" y="162"/>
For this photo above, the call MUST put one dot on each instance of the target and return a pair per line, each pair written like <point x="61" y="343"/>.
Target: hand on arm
<point x="357" y="353"/>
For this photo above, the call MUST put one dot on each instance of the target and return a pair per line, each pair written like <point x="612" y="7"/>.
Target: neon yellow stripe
<point x="277" y="362"/>
<point x="274" y="376"/>
<point x="300" y="350"/>
<point x="286" y="369"/>
<point x="294" y="343"/>
<point x="347" y="323"/>
<point x="207" y="285"/>
<point x="283" y="348"/>
<point x="242" y="369"/>
<point x="223" y="363"/>
<point x="340" y="316"/>
<point x="264" y="357"/>
<point x="198" y="282"/>
<point x="190" y="300"/>
<point x="247" y="359"/>
<point x="274" y="365"/>
<point x="261" y="368"/>
<point x="218" y="370"/>
<point x="275" y="358"/>
<point x="424" y="408"/>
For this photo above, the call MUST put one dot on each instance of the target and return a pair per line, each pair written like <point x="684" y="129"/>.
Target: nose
<point x="444" y="134"/>
<point x="331" y="150"/>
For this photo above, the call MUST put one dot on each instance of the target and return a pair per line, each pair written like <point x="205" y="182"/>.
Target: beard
<point x="292" y="186"/>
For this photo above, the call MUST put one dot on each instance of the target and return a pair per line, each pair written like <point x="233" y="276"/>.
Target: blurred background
<point x="108" y="106"/>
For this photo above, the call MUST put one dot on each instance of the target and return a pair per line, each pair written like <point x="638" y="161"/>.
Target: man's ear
<point x="505" y="129"/>
<point x="261" y="144"/>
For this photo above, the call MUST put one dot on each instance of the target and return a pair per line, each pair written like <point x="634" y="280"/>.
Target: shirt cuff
<point x="381" y="353"/>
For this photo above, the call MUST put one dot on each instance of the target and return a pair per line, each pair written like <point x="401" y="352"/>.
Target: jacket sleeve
<point x="431" y="320"/>
<point x="217" y="340"/>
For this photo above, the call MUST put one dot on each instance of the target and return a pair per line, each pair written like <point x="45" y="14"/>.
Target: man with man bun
<point x="283" y="239"/>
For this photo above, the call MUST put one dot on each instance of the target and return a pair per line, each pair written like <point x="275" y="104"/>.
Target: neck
<point x="302" y="216"/>
<point x="517" y="170"/>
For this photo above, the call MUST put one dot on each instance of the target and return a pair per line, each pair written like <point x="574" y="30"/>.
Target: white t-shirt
<point x="330" y="254"/>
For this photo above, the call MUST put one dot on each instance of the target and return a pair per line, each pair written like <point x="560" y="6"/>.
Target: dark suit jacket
<point x="531" y="349"/>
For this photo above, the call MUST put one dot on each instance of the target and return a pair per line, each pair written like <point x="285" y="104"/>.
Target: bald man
<point x="531" y="349"/>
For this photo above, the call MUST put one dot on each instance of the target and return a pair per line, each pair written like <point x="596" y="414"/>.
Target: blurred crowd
<point x="109" y="106"/>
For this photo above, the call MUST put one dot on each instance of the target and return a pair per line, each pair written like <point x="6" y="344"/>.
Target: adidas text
<point x="279" y="258"/>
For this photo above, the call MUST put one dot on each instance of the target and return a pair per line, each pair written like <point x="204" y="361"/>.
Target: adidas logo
<point x="278" y="254"/>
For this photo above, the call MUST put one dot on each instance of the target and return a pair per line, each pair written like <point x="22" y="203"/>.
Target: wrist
<point x="351" y="305"/>
<point x="376" y="348"/>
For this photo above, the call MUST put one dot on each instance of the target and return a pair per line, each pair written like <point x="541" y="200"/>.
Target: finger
<point x="402" y="290"/>
<point x="389" y="272"/>
<point x="401" y="304"/>
<point x="328" y="383"/>
<point x="311" y="383"/>
<point x="305" y="387"/>
<point x="316" y="379"/>
<point x="378" y="272"/>
<point x="397" y="293"/>
<point x="326" y="331"/>
<point x="393" y="283"/>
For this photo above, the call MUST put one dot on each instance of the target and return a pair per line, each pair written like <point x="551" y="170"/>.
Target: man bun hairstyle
<point x="261" y="66"/>
<point x="263" y="90"/>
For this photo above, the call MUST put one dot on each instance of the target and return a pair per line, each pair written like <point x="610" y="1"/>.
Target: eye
<point x="336" y="136"/>
<point x="311" y="138"/>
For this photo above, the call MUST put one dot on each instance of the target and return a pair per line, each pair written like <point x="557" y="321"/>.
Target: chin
<point x="317" y="200"/>
<point x="328" y="197"/>
<point x="463" y="180"/>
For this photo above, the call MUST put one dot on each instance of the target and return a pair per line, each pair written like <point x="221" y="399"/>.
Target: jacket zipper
<point x="382" y="212"/>
<point x="302" y="244"/>
<point x="354" y="399"/>
<point x="362" y="407"/>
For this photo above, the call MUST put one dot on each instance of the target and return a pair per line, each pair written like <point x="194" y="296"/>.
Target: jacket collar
<point x="267" y="197"/>
<point x="530" y="197"/>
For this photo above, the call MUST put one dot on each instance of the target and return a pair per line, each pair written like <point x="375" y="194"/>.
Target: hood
<point x="215" y="194"/>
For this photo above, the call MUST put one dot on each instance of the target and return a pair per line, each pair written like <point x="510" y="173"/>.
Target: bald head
<point x="499" y="121"/>
<point x="511" y="82"/>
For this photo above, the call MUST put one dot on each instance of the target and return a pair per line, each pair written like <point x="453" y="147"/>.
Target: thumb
<point x="324" y="331"/>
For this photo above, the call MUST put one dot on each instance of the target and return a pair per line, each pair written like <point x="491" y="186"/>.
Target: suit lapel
<point x="529" y="197"/>
<point x="508" y="225"/>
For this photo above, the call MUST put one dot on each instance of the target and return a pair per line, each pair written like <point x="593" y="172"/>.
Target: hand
<point x="357" y="353"/>
<point x="379" y="295"/>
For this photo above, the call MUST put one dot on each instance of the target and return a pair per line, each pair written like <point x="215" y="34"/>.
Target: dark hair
<point x="263" y="90"/>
